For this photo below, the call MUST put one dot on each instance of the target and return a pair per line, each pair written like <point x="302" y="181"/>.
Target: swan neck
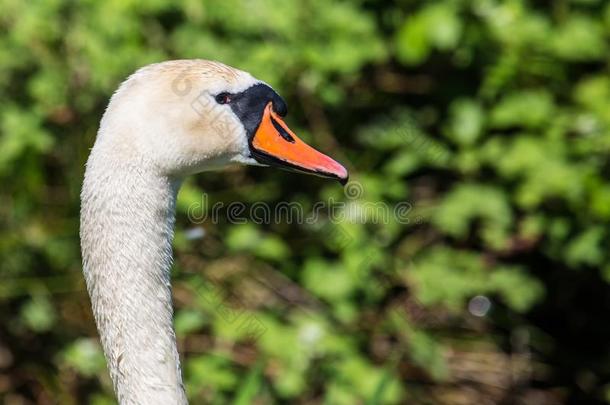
<point x="127" y="221"/>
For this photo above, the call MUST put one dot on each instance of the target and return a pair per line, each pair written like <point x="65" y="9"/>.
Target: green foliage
<point x="491" y="119"/>
<point x="433" y="26"/>
<point x="84" y="355"/>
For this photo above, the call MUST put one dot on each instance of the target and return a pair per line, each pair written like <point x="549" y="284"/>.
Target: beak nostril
<point x="280" y="129"/>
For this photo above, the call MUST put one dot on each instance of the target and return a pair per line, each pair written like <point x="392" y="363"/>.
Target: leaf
<point x="86" y="356"/>
<point x="586" y="248"/>
<point x="251" y="385"/>
<point x="580" y="39"/>
<point x="187" y="321"/>
<point x="247" y="237"/>
<point x="434" y="26"/>
<point x="38" y="314"/>
<point x="466" y="122"/>
<point x="428" y="354"/>
<point x="529" y="109"/>
<point x="468" y="202"/>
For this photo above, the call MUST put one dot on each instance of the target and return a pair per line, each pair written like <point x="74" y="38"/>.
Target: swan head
<point x="190" y="116"/>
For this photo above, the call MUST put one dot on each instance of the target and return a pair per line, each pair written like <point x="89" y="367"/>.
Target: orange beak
<point x="275" y="144"/>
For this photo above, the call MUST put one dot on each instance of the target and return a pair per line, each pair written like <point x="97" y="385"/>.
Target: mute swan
<point x="150" y="137"/>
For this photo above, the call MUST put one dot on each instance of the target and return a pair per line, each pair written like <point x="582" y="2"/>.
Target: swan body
<point x="166" y="121"/>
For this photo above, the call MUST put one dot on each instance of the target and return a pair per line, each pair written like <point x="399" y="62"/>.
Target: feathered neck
<point x="127" y="220"/>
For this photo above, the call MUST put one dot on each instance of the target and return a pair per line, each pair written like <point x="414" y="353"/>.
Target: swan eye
<point x="223" y="98"/>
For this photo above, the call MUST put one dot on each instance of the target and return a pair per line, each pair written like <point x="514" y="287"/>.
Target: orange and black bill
<point x="275" y="144"/>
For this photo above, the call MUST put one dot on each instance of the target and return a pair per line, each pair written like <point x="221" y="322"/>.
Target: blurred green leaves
<point x="250" y="239"/>
<point x="530" y="109"/>
<point x="466" y="122"/>
<point x="38" y="314"/>
<point x="86" y="356"/>
<point x="435" y="26"/>
<point x="469" y="202"/>
<point x="448" y="278"/>
<point x="568" y="41"/>
<point x="21" y="133"/>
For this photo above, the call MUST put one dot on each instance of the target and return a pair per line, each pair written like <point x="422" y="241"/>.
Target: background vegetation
<point x="490" y="118"/>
